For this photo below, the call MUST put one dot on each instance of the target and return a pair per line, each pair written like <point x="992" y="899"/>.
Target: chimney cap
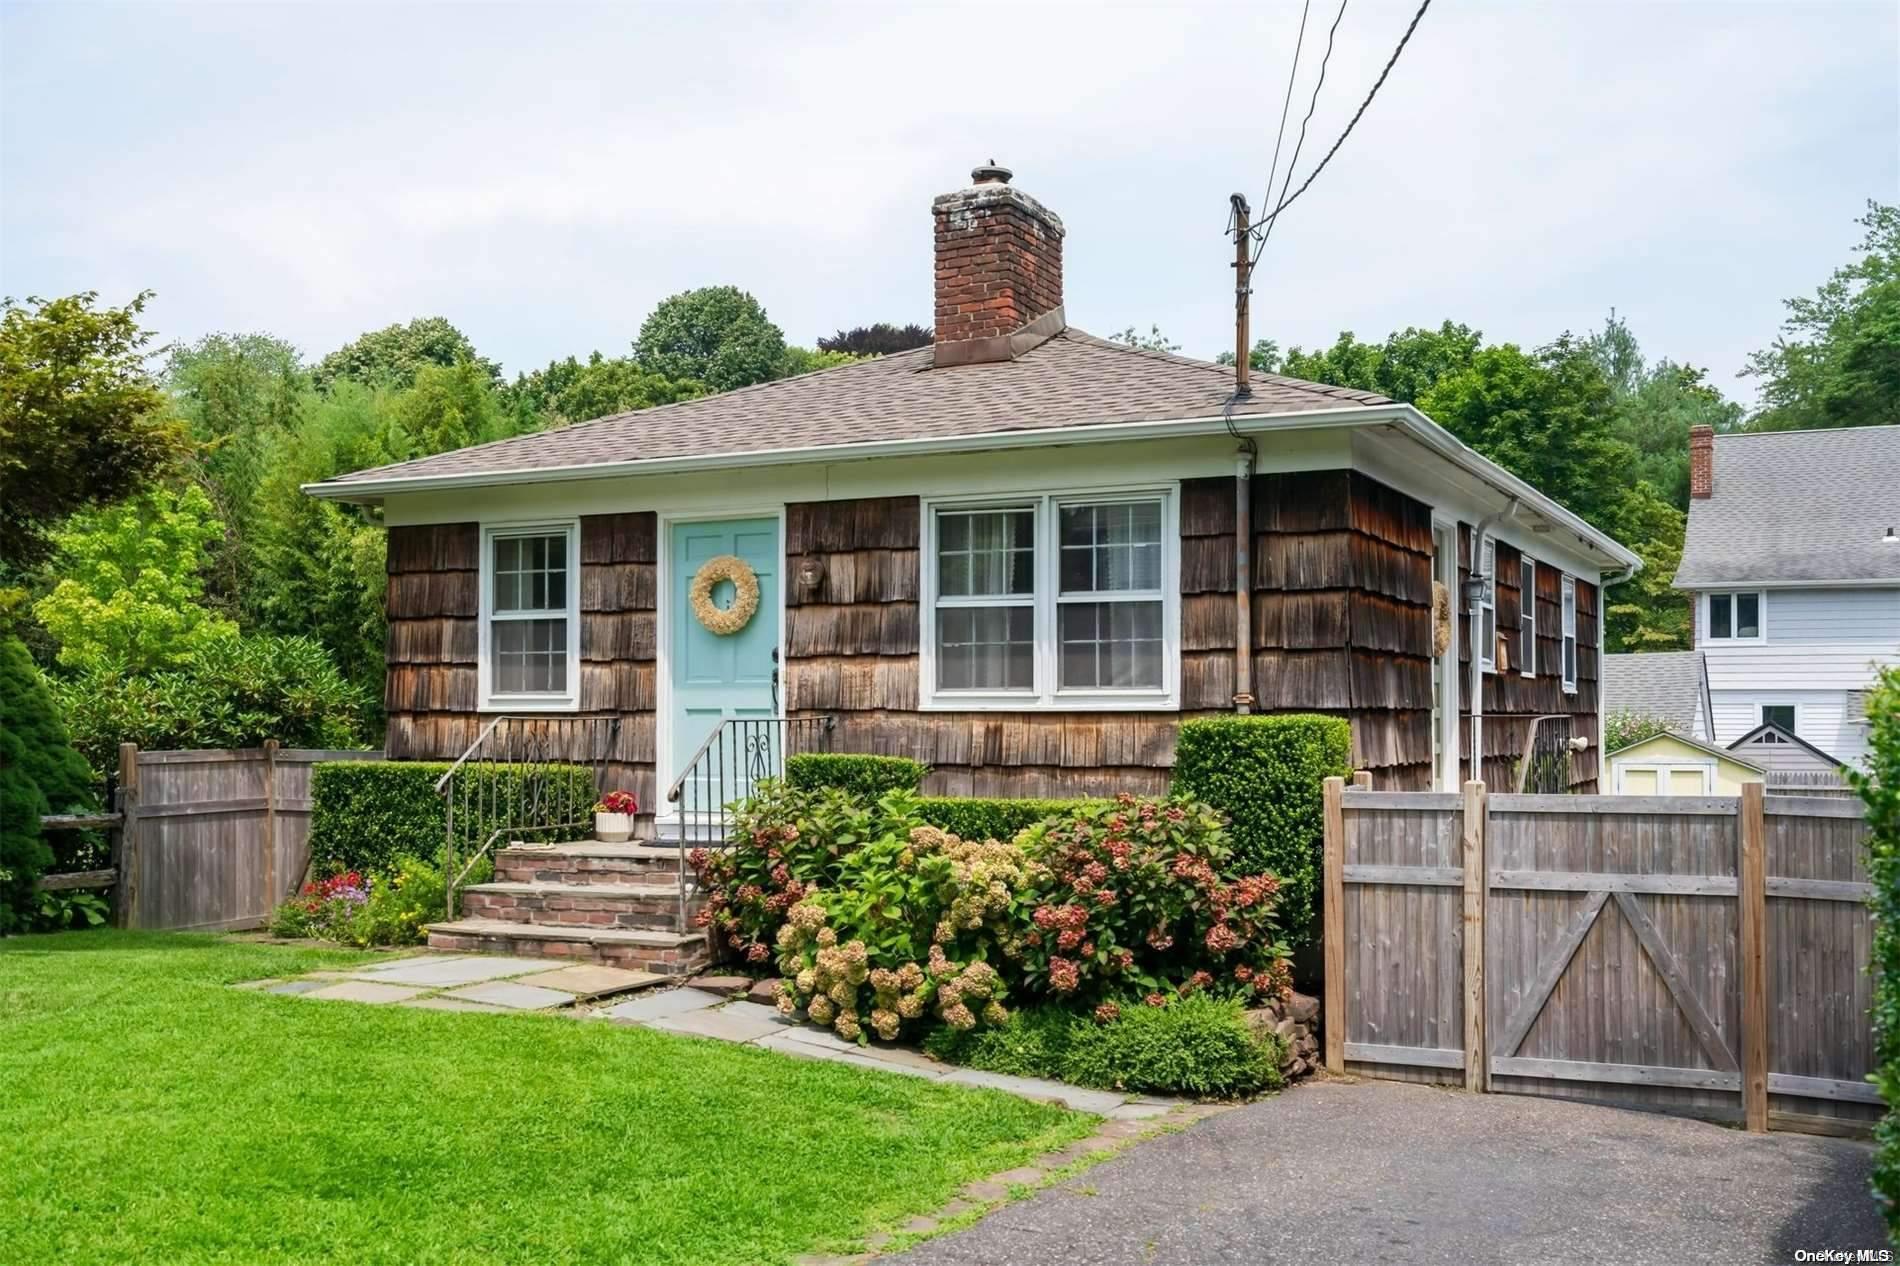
<point x="990" y="173"/>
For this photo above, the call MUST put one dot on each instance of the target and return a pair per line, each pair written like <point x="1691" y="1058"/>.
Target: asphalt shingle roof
<point x="1072" y="380"/>
<point x="1797" y="505"/>
<point x="1665" y="684"/>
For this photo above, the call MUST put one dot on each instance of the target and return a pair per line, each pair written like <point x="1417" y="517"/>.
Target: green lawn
<point x="149" y="1114"/>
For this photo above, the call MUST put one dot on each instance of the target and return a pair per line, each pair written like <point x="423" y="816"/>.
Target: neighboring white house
<point x="1792" y="566"/>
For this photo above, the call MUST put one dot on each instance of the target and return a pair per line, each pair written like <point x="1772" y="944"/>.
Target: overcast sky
<point x="543" y="175"/>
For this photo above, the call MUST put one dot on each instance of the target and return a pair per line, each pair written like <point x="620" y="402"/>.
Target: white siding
<point x="1835" y="617"/>
<point x="1820" y="717"/>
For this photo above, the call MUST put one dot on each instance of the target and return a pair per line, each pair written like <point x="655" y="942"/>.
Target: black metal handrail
<point x="737" y="755"/>
<point x="516" y="779"/>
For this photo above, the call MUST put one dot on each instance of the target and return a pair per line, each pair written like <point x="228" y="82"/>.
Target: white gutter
<point x="1401" y="416"/>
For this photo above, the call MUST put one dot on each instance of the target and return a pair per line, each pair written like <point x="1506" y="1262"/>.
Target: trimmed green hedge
<point x="1879" y="786"/>
<point x="1195" y="1045"/>
<point x="865" y="776"/>
<point x="1265" y="773"/>
<point x="366" y="814"/>
<point x="974" y="819"/>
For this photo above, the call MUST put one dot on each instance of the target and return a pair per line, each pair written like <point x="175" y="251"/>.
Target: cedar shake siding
<point x="1511" y="700"/>
<point x="434" y="601"/>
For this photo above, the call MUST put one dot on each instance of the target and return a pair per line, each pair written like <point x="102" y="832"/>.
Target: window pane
<point x="1779" y="715"/>
<point x="1747" y="615"/>
<point x="530" y="656"/>
<point x="531" y="573"/>
<point x="986" y="648"/>
<point x="986" y="553"/>
<point x="1570" y="660"/>
<point x="1111" y="548"/>
<point x="1110" y="644"/>
<point x="1719" y="624"/>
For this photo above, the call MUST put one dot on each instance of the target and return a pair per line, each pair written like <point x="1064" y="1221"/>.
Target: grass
<point x="149" y="1113"/>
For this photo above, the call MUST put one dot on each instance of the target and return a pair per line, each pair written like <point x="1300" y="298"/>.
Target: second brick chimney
<point x="1701" y="462"/>
<point x="998" y="270"/>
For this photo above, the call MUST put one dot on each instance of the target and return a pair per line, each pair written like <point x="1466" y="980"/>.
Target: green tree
<point x="40" y="773"/>
<point x="448" y="407"/>
<point x="718" y="335"/>
<point x="1837" y="361"/>
<point x="803" y="360"/>
<point x="132" y="594"/>
<point x="1646" y="613"/>
<point x="882" y="339"/>
<point x="81" y="422"/>
<point x="573" y="391"/>
<point x="1404" y="367"/>
<point x="1262" y="358"/>
<point x="393" y="356"/>
<point x="1655" y="407"/>
<point x="1153" y="341"/>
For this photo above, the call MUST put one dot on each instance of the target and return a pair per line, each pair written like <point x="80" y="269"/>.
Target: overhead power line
<point x="1286" y="102"/>
<point x="1379" y="83"/>
<point x="1311" y="105"/>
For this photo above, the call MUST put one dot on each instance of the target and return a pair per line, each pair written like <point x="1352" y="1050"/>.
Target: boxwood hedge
<point x="974" y="819"/>
<point x="1879" y="786"/>
<point x="865" y="776"/>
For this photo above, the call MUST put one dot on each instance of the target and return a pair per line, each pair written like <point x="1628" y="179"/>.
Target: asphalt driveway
<point x="1387" y="1172"/>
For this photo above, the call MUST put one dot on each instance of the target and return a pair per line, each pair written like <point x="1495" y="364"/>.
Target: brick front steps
<point x="617" y="904"/>
<point x="666" y="953"/>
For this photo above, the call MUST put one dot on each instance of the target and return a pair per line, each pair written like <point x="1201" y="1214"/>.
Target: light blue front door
<point x="716" y="678"/>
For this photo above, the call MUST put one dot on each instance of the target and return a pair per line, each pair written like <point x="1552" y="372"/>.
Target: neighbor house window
<point x="530" y="617"/>
<point x="1527" y="617"/>
<point x="1058" y="599"/>
<point x="1488" y="605"/>
<point x="1570" y="635"/>
<point x="1779" y="715"/>
<point x="1735" y="617"/>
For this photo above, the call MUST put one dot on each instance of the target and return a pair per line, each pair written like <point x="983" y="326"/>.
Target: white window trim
<point x="1761" y="617"/>
<point x="1664" y="769"/>
<point x="1045" y="696"/>
<point x="1488" y="571"/>
<point x="1527" y="615"/>
<point x="490" y="700"/>
<point x="1761" y="720"/>
<point x="1567" y="662"/>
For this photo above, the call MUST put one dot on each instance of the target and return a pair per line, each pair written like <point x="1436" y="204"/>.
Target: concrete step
<point x="588" y="862"/>
<point x="669" y="832"/>
<point x="666" y="953"/>
<point x="652" y="904"/>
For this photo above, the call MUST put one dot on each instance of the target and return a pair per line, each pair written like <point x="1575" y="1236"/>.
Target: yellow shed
<point x="1673" y="765"/>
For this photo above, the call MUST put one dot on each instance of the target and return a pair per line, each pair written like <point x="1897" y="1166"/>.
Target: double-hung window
<point x="1735" y="617"/>
<point x="1488" y="605"/>
<point x="1064" y="600"/>
<point x="1527" y="617"/>
<point x="1570" y="635"/>
<point x="530" y="617"/>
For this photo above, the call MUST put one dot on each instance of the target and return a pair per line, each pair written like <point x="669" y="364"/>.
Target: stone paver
<point x="437" y="1002"/>
<point x="1139" y="1110"/>
<point x="363" y="991"/>
<point x="724" y="986"/>
<point x="297" y="986"/>
<point x="443" y="973"/>
<point x="720" y="1023"/>
<point x="754" y="1011"/>
<point x="414" y="960"/>
<point x="787" y="1043"/>
<point x="590" y="980"/>
<point x="518" y="997"/>
<point x="654" y="1006"/>
<point x="1100" y="1102"/>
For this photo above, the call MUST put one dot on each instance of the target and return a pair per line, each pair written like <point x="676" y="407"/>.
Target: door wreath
<point x="725" y="621"/>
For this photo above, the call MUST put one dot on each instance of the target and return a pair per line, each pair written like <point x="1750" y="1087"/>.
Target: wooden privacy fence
<point x="1704" y="955"/>
<point x="212" y="840"/>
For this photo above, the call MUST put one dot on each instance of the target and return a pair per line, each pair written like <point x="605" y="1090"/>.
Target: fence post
<point x="1362" y="780"/>
<point x="1753" y="889"/>
<point x="1333" y="911"/>
<point x="1477" y="1055"/>
<point x="272" y="895"/>
<point x="126" y="916"/>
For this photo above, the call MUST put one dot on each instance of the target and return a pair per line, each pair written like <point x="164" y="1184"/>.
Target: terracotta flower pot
<point x="613" y="828"/>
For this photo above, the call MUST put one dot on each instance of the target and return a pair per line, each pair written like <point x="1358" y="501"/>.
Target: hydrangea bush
<point x="1131" y="901"/>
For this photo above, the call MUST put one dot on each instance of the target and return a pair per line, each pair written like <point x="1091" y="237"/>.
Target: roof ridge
<point x="1808" y="430"/>
<point x="1331" y="391"/>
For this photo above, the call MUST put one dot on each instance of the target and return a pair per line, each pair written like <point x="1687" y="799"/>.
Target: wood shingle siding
<point x="434" y="596"/>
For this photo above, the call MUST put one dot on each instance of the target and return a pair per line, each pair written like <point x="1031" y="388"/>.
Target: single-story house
<point x="1021" y="554"/>
<point x="1672" y="686"/>
<point x="1677" y="765"/>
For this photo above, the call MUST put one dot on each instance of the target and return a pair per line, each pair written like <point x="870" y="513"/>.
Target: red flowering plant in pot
<point x="1131" y="902"/>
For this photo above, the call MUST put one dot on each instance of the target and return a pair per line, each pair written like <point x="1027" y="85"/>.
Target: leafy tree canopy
<point x="882" y="339"/>
<point x="131" y="596"/>
<point x="395" y="355"/>
<point x="81" y="422"/>
<point x="803" y="360"/>
<point x="1837" y="362"/>
<point x="1153" y="341"/>
<point x="1263" y="358"/>
<point x="718" y="335"/>
<point x="574" y="391"/>
<point x="1407" y="365"/>
<point x="40" y="773"/>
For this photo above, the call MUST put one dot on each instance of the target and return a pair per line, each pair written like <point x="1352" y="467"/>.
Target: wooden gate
<point x="1699" y="955"/>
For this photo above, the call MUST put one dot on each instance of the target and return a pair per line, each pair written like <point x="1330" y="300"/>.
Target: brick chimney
<point x="999" y="270"/>
<point x="1701" y="462"/>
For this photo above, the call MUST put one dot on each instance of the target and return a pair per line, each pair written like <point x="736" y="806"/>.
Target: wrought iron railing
<point x="526" y="778"/>
<point x="735" y="757"/>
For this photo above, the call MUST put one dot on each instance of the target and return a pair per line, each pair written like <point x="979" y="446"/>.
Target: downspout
<point x="1477" y="633"/>
<point x="1243" y="576"/>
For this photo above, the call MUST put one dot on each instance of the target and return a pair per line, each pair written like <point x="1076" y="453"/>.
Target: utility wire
<point x="1279" y="137"/>
<point x="1299" y="144"/>
<point x="1391" y="61"/>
